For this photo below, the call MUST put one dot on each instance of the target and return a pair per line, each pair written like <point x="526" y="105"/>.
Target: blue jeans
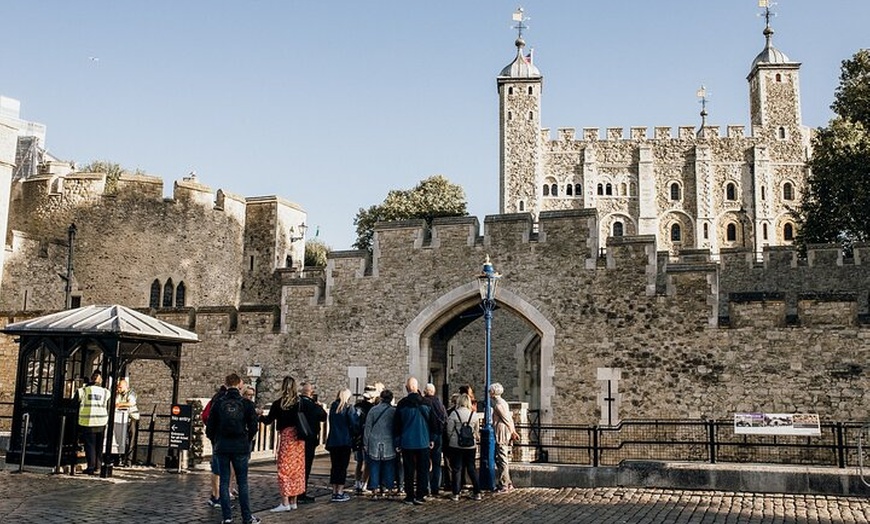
<point x="239" y="463"/>
<point x="381" y="473"/>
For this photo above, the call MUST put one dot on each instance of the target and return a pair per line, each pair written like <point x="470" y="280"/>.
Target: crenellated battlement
<point x="641" y="134"/>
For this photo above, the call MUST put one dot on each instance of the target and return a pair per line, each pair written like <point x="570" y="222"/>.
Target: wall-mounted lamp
<point x="302" y="228"/>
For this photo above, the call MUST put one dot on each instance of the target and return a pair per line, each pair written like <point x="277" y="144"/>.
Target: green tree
<point x="835" y="206"/>
<point x="433" y="197"/>
<point x="315" y="253"/>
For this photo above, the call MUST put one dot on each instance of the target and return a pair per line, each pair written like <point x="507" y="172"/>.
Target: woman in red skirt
<point x="291" y="450"/>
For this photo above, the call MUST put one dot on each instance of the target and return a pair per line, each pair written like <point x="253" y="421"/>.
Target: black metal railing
<point x="708" y="441"/>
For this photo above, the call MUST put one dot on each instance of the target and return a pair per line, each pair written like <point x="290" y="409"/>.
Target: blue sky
<point x="330" y="104"/>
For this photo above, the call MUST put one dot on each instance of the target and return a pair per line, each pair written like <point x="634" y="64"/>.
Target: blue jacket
<point x="342" y="424"/>
<point x="414" y="423"/>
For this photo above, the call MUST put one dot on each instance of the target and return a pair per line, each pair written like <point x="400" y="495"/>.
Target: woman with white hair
<point x="505" y="432"/>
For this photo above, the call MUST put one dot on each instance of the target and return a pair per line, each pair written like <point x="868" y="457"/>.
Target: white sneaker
<point x="282" y="507"/>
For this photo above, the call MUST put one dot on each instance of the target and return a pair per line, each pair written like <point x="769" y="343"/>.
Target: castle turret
<point x="774" y="92"/>
<point x="520" y="140"/>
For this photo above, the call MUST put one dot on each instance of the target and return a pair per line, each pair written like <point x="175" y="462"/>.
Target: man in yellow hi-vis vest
<point x="93" y="417"/>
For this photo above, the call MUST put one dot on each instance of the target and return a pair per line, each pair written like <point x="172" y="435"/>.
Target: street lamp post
<point x="488" y="280"/>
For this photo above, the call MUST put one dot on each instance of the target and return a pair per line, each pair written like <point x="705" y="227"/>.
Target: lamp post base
<point x="487" y="458"/>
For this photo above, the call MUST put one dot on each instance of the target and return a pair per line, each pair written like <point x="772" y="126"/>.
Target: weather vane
<point x="767" y="14"/>
<point x="520" y="18"/>
<point x="702" y="95"/>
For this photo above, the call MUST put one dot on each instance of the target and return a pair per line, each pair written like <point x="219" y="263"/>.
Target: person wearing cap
<point x="93" y="417"/>
<point x="361" y="471"/>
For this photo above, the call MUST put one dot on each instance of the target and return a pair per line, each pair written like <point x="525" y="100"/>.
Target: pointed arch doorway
<point x="445" y="344"/>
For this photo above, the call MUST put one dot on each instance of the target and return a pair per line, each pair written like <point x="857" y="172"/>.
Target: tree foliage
<point x="315" y="253"/>
<point x="433" y="197"/>
<point x="836" y="204"/>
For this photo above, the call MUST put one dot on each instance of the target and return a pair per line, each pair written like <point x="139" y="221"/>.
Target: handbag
<point x="303" y="428"/>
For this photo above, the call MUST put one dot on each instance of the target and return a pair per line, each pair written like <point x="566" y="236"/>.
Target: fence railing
<point x="708" y="441"/>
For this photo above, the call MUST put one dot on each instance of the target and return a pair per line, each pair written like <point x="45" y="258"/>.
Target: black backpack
<point x="465" y="433"/>
<point x="232" y="417"/>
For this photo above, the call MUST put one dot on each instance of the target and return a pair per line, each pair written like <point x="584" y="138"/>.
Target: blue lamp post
<point x="488" y="286"/>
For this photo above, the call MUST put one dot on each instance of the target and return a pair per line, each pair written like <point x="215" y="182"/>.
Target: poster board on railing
<point x="806" y="424"/>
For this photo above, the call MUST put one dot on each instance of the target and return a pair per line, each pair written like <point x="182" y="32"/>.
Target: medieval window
<point x="569" y="190"/>
<point x="617" y="229"/>
<point x="778" y="77"/>
<point x="600" y="189"/>
<point x="75" y="301"/>
<point x="764" y="231"/>
<point x="510" y="116"/>
<point x="762" y="193"/>
<point x="578" y="190"/>
<point x="706" y="231"/>
<point x="531" y="115"/>
<point x="39" y="372"/>
<point x="622" y="189"/>
<point x="180" y="294"/>
<point x="780" y="133"/>
<point x="522" y="205"/>
<point x="731" y="191"/>
<point x="531" y="90"/>
<point x="675" y="191"/>
<point x="676" y="233"/>
<point x="510" y="90"/>
<point x="608" y="190"/>
<point x="546" y="189"/>
<point x="251" y="263"/>
<point x="731" y="233"/>
<point x="554" y="190"/>
<point x="787" y="191"/>
<point x="632" y="189"/>
<point x="154" y="300"/>
<point x="788" y="231"/>
<point x="168" y="288"/>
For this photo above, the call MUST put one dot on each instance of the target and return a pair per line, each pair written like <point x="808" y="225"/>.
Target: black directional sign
<point x="179" y="426"/>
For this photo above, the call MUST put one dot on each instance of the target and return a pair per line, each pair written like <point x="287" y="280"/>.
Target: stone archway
<point x="451" y="304"/>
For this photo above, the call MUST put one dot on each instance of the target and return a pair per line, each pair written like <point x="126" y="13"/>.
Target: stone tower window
<point x="622" y="189"/>
<point x="554" y="189"/>
<point x="578" y="190"/>
<point x="706" y="231"/>
<point x="780" y="133"/>
<point x="764" y="231"/>
<point x="676" y="233"/>
<point x="762" y="193"/>
<point x="617" y="229"/>
<point x="531" y="90"/>
<point x="788" y="231"/>
<point x="731" y="191"/>
<point x="510" y="115"/>
<point x="600" y="189"/>
<point x="778" y="77"/>
<point x="787" y="191"/>
<point x="510" y="90"/>
<point x="531" y="115"/>
<point x="168" y="290"/>
<point x="569" y="190"/>
<point x="154" y="299"/>
<point x="180" y="294"/>
<point x="675" y="191"/>
<point x="522" y="205"/>
<point x="608" y="190"/>
<point x="731" y="232"/>
<point x="546" y="189"/>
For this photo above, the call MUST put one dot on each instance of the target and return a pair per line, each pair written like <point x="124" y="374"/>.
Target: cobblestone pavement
<point x="141" y="495"/>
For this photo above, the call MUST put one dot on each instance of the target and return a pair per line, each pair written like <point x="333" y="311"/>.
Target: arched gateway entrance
<point x="522" y="337"/>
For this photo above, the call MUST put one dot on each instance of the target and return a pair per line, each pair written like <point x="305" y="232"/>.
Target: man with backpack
<point x="231" y="426"/>
<point x="440" y="415"/>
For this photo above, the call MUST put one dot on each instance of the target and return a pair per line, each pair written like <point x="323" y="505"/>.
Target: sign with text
<point x="806" y="424"/>
<point x="179" y="426"/>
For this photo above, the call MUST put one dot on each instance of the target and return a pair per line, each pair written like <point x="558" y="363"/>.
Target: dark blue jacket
<point x="223" y="444"/>
<point x="342" y="424"/>
<point x="414" y="423"/>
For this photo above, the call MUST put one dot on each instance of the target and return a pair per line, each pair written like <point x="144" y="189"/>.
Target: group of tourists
<point x="398" y="445"/>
